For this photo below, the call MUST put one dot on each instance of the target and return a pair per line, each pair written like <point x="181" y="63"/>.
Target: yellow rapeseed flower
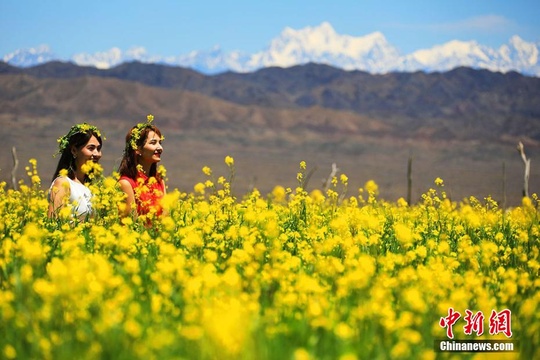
<point x="199" y="188"/>
<point x="404" y="234"/>
<point x="207" y="171"/>
<point x="372" y="187"/>
<point x="10" y="352"/>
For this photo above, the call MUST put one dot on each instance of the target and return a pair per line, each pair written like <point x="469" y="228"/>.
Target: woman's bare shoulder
<point x="125" y="184"/>
<point x="60" y="181"/>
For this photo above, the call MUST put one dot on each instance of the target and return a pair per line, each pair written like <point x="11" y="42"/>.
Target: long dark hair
<point x="67" y="161"/>
<point x="128" y="165"/>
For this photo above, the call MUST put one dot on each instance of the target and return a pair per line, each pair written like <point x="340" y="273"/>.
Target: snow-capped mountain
<point x="323" y="45"/>
<point x="112" y="57"/>
<point x="518" y="55"/>
<point x="30" y="57"/>
<point x="213" y="61"/>
<point x="320" y="44"/>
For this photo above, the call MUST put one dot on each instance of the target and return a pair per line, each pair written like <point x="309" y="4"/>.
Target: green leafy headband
<point x="63" y="142"/>
<point x="138" y="129"/>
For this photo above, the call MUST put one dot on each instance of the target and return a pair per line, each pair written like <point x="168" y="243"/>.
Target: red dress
<point x="148" y="193"/>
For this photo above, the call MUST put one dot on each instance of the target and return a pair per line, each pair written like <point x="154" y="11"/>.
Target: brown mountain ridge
<point x="462" y="103"/>
<point x="461" y="125"/>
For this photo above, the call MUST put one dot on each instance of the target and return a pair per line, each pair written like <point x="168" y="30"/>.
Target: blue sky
<point x="170" y="28"/>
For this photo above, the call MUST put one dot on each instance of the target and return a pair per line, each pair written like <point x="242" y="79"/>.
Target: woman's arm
<point x="126" y="208"/>
<point x="58" y="196"/>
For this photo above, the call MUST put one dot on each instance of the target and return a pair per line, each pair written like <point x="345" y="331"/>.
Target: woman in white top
<point x="81" y="144"/>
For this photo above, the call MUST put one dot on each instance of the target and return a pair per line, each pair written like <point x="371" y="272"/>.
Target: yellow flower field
<point x="287" y="275"/>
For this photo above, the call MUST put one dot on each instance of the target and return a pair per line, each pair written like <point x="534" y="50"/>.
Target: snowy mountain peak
<point x="452" y="49"/>
<point x="323" y="30"/>
<point x="325" y="26"/>
<point x="522" y="51"/>
<point x="517" y="41"/>
<point x="113" y="57"/>
<point x="324" y="45"/>
<point x="29" y="57"/>
<point x="324" y="38"/>
<point x="309" y="38"/>
<point x="319" y="44"/>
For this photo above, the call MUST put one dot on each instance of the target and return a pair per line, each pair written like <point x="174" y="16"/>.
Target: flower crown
<point x="63" y="142"/>
<point x="138" y="129"/>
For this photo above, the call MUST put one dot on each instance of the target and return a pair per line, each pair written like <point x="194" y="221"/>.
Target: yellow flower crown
<point x="139" y="128"/>
<point x="63" y="142"/>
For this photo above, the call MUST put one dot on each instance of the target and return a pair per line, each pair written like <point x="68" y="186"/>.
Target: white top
<point x="79" y="197"/>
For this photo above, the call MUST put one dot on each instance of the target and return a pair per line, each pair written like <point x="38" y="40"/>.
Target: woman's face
<point x="152" y="149"/>
<point x="89" y="152"/>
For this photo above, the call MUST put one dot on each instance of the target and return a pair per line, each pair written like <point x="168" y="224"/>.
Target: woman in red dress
<point x="139" y="178"/>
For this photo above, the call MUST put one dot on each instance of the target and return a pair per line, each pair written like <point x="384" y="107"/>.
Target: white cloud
<point x="485" y="23"/>
<point x="489" y="23"/>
